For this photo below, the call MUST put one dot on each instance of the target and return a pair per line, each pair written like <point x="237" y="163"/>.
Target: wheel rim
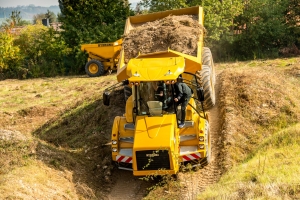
<point x="93" y="68"/>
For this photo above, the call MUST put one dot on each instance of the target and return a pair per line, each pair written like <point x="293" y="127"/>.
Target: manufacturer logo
<point x="152" y="155"/>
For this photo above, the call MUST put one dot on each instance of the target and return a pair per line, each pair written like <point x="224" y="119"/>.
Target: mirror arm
<point x="197" y="111"/>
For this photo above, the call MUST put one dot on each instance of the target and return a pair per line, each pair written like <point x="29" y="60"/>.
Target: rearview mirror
<point x="106" y="98"/>
<point x="200" y="94"/>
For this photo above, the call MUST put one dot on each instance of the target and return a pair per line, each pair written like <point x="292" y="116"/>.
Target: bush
<point x="10" y="56"/>
<point x="43" y="51"/>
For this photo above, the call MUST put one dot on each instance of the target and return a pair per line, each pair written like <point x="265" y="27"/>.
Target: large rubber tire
<point x="127" y="92"/>
<point x="207" y="59"/>
<point x="94" y="68"/>
<point x="207" y="78"/>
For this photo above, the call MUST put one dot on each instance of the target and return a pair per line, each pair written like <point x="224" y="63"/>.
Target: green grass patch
<point x="272" y="172"/>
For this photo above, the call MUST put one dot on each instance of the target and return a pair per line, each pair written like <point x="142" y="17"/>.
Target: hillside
<point x="27" y="12"/>
<point x="53" y="133"/>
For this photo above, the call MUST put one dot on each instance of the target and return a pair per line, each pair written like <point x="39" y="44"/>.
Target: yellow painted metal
<point x="107" y="53"/>
<point x="93" y="68"/>
<point x="192" y="63"/>
<point x="128" y="109"/>
<point x="155" y="69"/>
<point x="156" y="133"/>
<point x="114" y="136"/>
<point x="122" y="131"/>
<point x="153" y="172"/>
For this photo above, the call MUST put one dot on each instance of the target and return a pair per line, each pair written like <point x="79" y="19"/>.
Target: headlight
<point x="201" y="146"/>
<point x="114" y="149"/>
<point x="114" y="141"/>
<point x="201" y="138"/>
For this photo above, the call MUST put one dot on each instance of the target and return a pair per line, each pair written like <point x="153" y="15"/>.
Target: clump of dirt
<point x="294" y="71"/>
<point x="179" y="33"/>
<point x="7" y="135"/>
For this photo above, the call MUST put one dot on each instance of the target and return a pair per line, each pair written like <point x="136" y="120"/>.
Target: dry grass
<point x="260" y="103"/>
<point x="272" y="172"/>
<point x="257" y="102"/>
<point x="51" y="136"/>
<point x="52" y="131"/>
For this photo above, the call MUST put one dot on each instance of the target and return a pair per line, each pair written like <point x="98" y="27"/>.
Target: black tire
<point x="94" y="68"/>
<point x="205" y="78"/>
<point x="207" y="59"/>
<point x="127" y="92"/>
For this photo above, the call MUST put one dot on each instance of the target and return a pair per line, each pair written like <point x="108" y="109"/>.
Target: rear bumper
<point x="154" y="172"/>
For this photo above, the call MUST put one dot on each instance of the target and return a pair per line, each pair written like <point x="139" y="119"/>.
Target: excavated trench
<point x="126" y="186"/>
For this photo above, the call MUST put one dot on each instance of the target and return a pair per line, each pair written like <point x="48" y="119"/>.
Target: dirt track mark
<point x="195" y="183"/>
<point x="128" y="187"/>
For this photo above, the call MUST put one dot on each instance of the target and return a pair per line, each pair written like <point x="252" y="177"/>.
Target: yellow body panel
<point x="156" y="133"/>
<point x="107" y="53"/>
<point x="155" y="69"/>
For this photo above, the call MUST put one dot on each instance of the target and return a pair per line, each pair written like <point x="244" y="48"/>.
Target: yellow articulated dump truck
<point x="147" y="139"/>
<point x="102" y="57"/>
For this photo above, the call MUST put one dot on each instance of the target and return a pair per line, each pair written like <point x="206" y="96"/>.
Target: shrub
<point x="10" y="56"/>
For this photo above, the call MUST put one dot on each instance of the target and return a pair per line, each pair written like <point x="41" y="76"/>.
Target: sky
<point x="43" y="3"/>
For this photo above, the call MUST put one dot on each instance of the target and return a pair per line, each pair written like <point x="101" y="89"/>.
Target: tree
<point x="43" y="51"/>
<point x="51" y="16"/>
<point x="14" y="19"/>
<point x="262" y="28"/>
<point x="37" y="19"/>
<point x="161" y="5"/>
<point x="9" y="54"/>
<point x="90" y="21"/>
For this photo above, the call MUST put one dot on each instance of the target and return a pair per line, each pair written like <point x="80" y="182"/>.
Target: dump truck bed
<point x="103" y="50"/>
<point x="193" y="63"/>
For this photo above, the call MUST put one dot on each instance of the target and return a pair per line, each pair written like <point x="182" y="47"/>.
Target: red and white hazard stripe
<point x="124" y="159"/>
<point x="192" y="156"/>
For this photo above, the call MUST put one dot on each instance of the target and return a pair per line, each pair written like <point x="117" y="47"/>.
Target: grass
<point x="260" y="110"/>
<point x="270" y="173"/>
<point x="51" y="131"/>
<point x="57" y="127"/>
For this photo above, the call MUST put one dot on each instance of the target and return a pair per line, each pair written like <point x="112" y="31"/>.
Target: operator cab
<point x="154" y="98"/>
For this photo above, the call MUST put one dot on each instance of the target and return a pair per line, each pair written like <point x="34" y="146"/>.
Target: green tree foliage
<point x="90" y="21"/>
<point x="43" y="49"/>
<point x="161" y="5"/>
<point x="51" y="16"/>
<point x="9" y="54"/>
<point x="292" y="15"/>
<point x="262" y="29"/>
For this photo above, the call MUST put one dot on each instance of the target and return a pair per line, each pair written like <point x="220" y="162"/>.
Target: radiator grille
<point x="152" y="160"/>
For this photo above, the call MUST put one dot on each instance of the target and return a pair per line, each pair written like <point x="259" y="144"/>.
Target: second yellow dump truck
<point x="146" y="139"/>
<point x="103" y="57"/>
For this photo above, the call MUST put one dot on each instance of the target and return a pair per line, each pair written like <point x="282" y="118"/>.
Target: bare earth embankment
<point x="53" y="131"/>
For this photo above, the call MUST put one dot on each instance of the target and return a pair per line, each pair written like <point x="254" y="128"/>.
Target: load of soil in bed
<point x="180" y="33"/>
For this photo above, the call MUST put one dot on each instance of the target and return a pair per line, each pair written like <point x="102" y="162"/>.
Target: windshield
<point x="155" y="98"/>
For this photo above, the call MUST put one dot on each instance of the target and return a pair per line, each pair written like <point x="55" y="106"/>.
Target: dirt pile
<point x="179" y="33"/>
